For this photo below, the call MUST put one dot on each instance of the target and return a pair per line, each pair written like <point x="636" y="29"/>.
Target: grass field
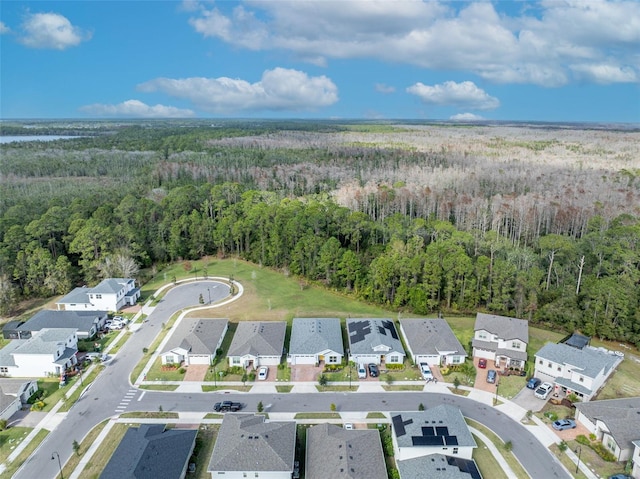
<point x="24" y="455"/>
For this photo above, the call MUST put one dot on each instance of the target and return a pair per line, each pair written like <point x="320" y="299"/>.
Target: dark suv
<point x="373" y="370"/>
<point x="491" y="376"/>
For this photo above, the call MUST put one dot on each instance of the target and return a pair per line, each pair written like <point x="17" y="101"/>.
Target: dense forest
<point x="536" y="221"/>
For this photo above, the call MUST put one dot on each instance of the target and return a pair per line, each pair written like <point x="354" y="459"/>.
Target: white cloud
<point x="462" y="95"/>
<point x="51" y="30"/>
<point x="605" y="73"/>
<point x="466" y="117"/>
<point x="537" y="45"/>
<point x="279" y="89"/>
<point x="382" y="88"/>
<point x="136" y="109"/>
<point x="4" y="28"/>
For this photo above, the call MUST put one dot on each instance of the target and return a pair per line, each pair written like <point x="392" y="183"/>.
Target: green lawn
<point x="10" y="438"/>
<point x="158" y="372"/>
<point x="624" y="382"/>
<point x="509" y="386"/>
<point x="24" y="455"/>
<point x="487" y="464"/>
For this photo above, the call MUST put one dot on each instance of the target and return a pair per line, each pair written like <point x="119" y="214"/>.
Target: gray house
<point x="87" y="323"/>
<point x="333" y="452"/>
<point x="315" y="340"/>
<point x="432" y="341"/>
<point x="374" y="340"/>
<point x="250" y="446"/>
<point x="194" y="341"/>
<point x="14" y="393"/>
<point x="439" y="430"/>
<point x="501" y="339"/>
<point x="615" y="422"/>
<point x="438" y="466"/>
<point x="257" y="343"/>
<point x="150" y="451"/>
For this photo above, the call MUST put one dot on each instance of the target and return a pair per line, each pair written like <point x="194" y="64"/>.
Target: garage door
<point x="431" y="360"/>
<point x="366" y="359"/>
<point x="303" y="359"/>
<point x="483" y="353"/>
<point x="203" y="359"/>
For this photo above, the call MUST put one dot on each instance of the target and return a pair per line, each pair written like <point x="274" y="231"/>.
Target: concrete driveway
<point x="526" y="399"/>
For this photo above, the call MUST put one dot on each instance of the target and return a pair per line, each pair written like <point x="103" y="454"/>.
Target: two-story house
<point x="47" y="352"/>
<point x="111" y="294"/>
<point x="579" y="371"/>
<point x="501" y="339"/>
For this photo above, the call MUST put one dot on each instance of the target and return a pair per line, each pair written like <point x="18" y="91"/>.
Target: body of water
<point x="12" y="139"/>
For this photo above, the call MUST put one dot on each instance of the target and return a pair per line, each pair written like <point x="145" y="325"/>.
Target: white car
<point x="348" y="426"/>
<point x="543" y="390"/>
<point x="262" y="373"/>
<point x="362" y="372"/>
<point x="426" y="372"/>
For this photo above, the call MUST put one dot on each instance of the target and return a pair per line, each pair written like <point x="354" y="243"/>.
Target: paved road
<point x="111" y="393"/>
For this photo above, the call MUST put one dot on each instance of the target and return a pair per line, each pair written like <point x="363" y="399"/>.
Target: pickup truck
<point x="226" y="406"/>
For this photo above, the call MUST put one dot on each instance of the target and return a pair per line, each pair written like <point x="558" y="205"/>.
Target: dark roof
<point x="577" y="341"/>
<point x="504" y="326"/>
<point x="442" y="425"/>
<point x="438" y="466"/>
<point x="151" y="452"/>
<point x="430" y="337"/>
<point x="333" y="452"/>
<point x="622" y="417"/>
<point x="246" y="442"/>
<point x="80" y="320"/>
<point x="367" y="334"/>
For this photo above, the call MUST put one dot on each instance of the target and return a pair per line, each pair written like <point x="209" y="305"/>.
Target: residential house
<point x="315" y="341"/>
<point x="438" y="466"/>
<point x="248" y="445"/>
<point x="438" y="430"/>
<point x="432" y="341"/>
<point x="111" y="294"/>
<point x="47" y="352"/>
<point x="635" y="471"/>
<point x="194" y="341"/>
<point x="501" y="339"/>
<point x="87" y="323"/>
<point x="575" y="371"/>
<point x="11" y="330"/>
<point x="257" y="343"/>
<point x="615" y="422"/>
<point x="151" y="451"/>
<point x="333" y="452"/>
<point x="373" y="340"/>
<point x="14" y="394"/>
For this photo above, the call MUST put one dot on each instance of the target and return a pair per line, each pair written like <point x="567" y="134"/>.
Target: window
<point x="235" y="360"/>
<point x="455" y="450"/>
<point x="169" y="359"/>
<point x="456" y="360"/>
<point x="549" y="364"/>
<point x="394" y="359"/>
<point x="581" y="379"/>
<point x="515" y="345"/>
<point x="4" y="370"/>
<point x="559" y="368"/>
<point x="333" y="359"/>
<point x="98" y="296"/>
<point x="540" y="362"/>
<point x="482" y="335"/>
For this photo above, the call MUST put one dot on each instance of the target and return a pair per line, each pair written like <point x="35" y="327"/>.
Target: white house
<point x="501" y="339"/>
<point x="374" y="340"/>
<point x="48" y="352"/>
<point x="194" y="341"/>
<point x="14" y="393"/>
<point x="432" y="341"/>
<point x="635" y="472"/>
<point x="111" y="294"/>
<point x="615" y="422"/>
<point x="579" y="371"/>
<point x="257" y="343"/>
<point x="438" y="466"/>
<point x="315" y="341"/>
<point x="250" y="446"/>
<point x="438" y="430"/>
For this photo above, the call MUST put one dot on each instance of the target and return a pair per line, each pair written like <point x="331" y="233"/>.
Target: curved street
<point x="112" y="394"/>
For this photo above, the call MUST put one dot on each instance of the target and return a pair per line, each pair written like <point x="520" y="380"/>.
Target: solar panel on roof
<point x="358" y="330"/>
<point x="442" y="430"/>
<point x="451" y="440"/>
<point x="428" y="431"/>
<point x="427" y="441"/>
<point x="392" y="330"/>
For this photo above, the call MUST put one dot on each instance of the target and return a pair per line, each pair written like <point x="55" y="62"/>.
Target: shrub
<point x="395" y="367"/>
<point x="602" y="451"/>
<point x="445" y="371"/>
<point x="182" y="370"/>
<point x="582" y="439"/>
<point x="592" y="436"/>
<point x="563" y="446"/>
<point x="3" y="424"/>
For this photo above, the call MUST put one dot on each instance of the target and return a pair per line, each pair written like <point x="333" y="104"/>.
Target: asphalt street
<point x="112" y="393"/>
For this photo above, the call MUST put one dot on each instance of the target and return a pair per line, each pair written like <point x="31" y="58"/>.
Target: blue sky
<point x="552" y="60"/>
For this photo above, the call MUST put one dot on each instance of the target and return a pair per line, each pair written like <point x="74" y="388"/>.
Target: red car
<point x="482" y="363"/>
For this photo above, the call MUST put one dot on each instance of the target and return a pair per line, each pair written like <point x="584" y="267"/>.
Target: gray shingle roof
<point x="76" y="296"/>
<point x="367" y="333"/>
<point x="333" y="452"/>
<point x="151" y="452"/>
<point x="437" y="466"/>
<point x="588" y="360"/>
<point x="80" y="320"/>
<point x="503" y="326"/>
<point x="408" y="427"/>
<point x="197" y="335"/>
<point x="110" y="286"/>
<point x="246" y="442"/>
<point x="45" y="341"/>
<point x="315" y="335"/>
<point x="430" y="336"/>
<point x="258" y="338"/>
<point x="622" y="417"/>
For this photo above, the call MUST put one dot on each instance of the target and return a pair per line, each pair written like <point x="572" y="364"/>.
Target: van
<point x="362" y="372"/>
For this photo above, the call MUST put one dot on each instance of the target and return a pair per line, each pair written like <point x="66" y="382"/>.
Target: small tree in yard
<point x="420" y="407"/>
<point x="456" y="383"/>
<point x="76" y="447"/>
<point x="260" y="407"/>
<point x="508" y="446"/>
<point x="322" y="380"/>
<point x="333" y="407"/>
<point x="563" y="446"/>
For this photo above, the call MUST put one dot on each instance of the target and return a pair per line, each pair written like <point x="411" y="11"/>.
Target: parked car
<point x="362" y="372"/>
<point x="533" y="383"/>
<point x="373" y="370"/>
<point x="426" y="372"/>
<point x="491" y="376"/>
<point x="482" y="363"/>
<point x="262" y="373"/>
<point x="348" y="426"/>
<point x="543" y="391"/>
<point x="620" y="476"/>
<point x="562" y="424"/>
<point x="225" y="406"/>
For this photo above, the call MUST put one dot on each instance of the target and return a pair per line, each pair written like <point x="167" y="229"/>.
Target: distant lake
<point x="11" y="139"/>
